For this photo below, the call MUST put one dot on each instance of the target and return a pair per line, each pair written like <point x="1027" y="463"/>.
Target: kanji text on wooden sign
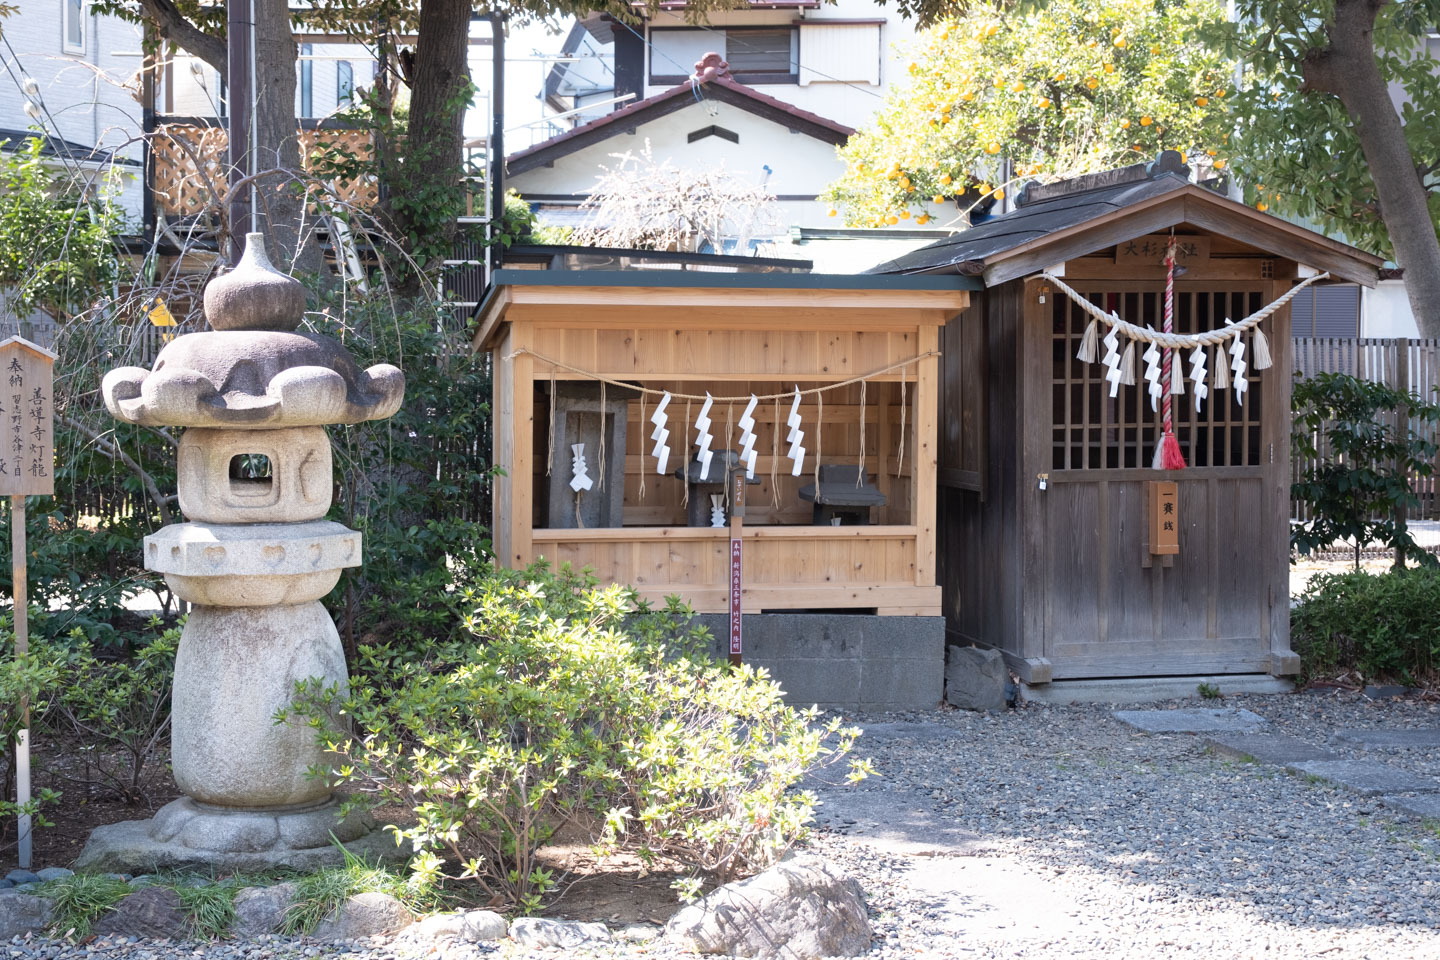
<point x="1164" y="517"/>
<point x="1188" y="250"/>
<point x="27" y="419"/>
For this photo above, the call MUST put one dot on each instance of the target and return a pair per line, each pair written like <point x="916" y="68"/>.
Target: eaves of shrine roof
<point x="1056" y="222"/>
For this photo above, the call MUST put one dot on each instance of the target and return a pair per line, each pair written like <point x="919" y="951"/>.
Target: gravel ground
<point x="1067" y="834"/>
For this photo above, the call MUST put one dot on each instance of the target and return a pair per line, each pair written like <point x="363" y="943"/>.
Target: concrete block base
<point x="1150" y="689"/>
<point x="185" y="835"/>
<point x="844" y="661"/>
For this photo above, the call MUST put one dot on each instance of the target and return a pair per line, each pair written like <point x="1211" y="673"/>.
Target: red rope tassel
<point x="1167" y="454"/>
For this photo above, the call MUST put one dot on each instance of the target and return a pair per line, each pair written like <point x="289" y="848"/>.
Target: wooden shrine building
<point x="1046" y="491"/>
<point x="844" y="373"/>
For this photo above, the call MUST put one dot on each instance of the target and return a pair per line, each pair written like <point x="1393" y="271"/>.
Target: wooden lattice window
<point x="1093" y="431"/>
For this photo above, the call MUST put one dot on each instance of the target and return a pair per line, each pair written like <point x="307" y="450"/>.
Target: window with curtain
<point x="73" y="15"/>
<point x="344" y="83"/>
<point x="307" y="81"/>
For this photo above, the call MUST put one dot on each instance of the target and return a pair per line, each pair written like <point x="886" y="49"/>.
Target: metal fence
<point x="1409" y="365"/>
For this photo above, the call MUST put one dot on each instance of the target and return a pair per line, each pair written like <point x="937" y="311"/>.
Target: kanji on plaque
<point x="27" y="419"/>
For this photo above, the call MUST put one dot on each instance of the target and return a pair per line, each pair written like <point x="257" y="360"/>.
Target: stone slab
<point x="1419" y="738"/>
<point x="1426" y="806"/>
<point x="1366" y="777"/>
<point x="1150" y="689"/>
<point x="1220" y="720"/>
<point x="1267" y="748"/>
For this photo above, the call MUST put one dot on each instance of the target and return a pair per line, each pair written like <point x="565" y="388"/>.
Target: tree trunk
<point x="281" y="206"/>
<point x="1348" y="70"/>
<point x="434" y="139"/>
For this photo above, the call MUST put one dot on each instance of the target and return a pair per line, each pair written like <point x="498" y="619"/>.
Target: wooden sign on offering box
<point x="27" y="419"/>
<point x="1164" y="517"/>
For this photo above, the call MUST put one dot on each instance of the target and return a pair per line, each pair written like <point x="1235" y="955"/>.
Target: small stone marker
<point x="1426" y="806"/>
<point x="1222" y="720"/>
<point x="1365" y="777"/>
<point x="1418" y="738"/>
<point x="1267" y="748"/>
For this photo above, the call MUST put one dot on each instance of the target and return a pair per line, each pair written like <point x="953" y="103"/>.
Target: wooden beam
<point x="735" y="299"/>
<point x="927" y="455"/>
<point x="1285" y="240"/>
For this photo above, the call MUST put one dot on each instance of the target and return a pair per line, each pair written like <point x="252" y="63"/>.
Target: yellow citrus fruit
<point x="1262" y="206"/>
<point x="1210" y="153"/>
<point x="992" y="147"/>
<point x="892" y="219"/>
<point x="923" y="219"/>
<point x="904" y="214"/>
<point x="832" y="213"/>
<point x="1219" y="164"/>
<point x="945" y="178"/>
<point x="938" y="198"/>
<point x="1092" y="83"/>
<point x="1042" y="102"/>
<point x="992" y="30"/>
<point x="984" y="189"/>
<point x="967" y="96"/>
<point x="1000" y="194"/>
<point x="1146" y="120"/>
<point x="1121" y="42"/>
<point x="1109" y="68"/>
<point x="1155" y="50"/>
<point x="1202" y="101"/>
<point x="1124" y="124"/>
<point x="1017" y="87"/>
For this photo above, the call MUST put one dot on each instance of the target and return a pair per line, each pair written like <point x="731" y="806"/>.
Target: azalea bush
<point x="1384" y="626"/>
<point x="568" y="706"/>
<point x="34" y="681"/>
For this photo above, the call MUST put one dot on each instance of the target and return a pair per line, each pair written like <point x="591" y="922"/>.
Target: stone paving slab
<point x="1267" y="748"/>
<point x="1221" y="720"/>
<point x="1366" y="777"/>
<point x="1418" y="737"/>
<point x="1426" y="806"/>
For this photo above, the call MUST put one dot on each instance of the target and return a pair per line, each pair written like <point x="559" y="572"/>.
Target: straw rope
<point x="1177" y="341"/>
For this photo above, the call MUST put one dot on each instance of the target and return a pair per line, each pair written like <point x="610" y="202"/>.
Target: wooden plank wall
<point x="1405" y="364"/>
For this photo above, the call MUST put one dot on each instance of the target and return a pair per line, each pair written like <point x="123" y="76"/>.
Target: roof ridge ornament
<point x="711" y="66"/>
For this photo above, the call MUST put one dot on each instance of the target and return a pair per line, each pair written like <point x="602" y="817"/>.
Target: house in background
<point x="793" y="79"/>
<point x="85" y="66"/>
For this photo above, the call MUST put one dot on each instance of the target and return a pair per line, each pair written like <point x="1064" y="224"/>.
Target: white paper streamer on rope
<point x="1151" y="356"/>
<point x="1197" y="375"/>
<point x="747" y="437"/>
<point x="660" y="435"/>
<point x="703" y="453"/>
<point x="579" y="475"/>
<point x="796" y="452"/>
<point x="717" y="510"/>
<point x="1112" y="360"/>
<point x="1238" y="368"/>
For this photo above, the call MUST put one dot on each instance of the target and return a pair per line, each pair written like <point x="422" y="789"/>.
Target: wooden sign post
<point x="27" y="468"/>
<point x="737" y="523"/>
<point x="1164" y="517"/>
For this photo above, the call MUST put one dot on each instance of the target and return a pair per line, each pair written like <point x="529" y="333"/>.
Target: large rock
<point x="797" y="910"/>
<point x="261" y="910"/>
<point x="154" y="912"/>
<point x="471" y="925"/>
<point x="364" y="915"/>
<point x="539" y="932"/>
<point x="975" y="678"/>
<point x="20" y="913"/>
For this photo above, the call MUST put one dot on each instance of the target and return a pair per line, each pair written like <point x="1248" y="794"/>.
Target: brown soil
<point x="617" y="890"/>
<point x="85" y="802"/>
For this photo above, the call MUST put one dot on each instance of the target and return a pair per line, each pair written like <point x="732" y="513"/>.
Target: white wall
<point x="91" y="95"/>
<point x="1385" y="311"/>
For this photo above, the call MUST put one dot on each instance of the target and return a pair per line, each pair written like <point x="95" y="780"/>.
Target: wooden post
<point x="737" y="524"/>
<point x="22" y="649"/>
<point x="27" y="467"/>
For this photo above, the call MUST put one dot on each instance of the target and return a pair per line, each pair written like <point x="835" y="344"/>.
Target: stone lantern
<point x="254" y="559"/>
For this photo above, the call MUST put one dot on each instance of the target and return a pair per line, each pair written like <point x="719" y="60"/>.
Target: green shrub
<point x="82" y="899"/>
<point x="567" y="705"/>
<point x="1386" y="626"/>
<point x="37" y="681"/>
<point x="118" y="710"/>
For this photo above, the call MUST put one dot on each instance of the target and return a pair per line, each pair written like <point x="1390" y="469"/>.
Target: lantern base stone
<point x="186" y="835"/>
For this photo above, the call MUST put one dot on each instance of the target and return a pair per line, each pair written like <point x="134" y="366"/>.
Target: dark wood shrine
<point x="1044" y="481"/>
